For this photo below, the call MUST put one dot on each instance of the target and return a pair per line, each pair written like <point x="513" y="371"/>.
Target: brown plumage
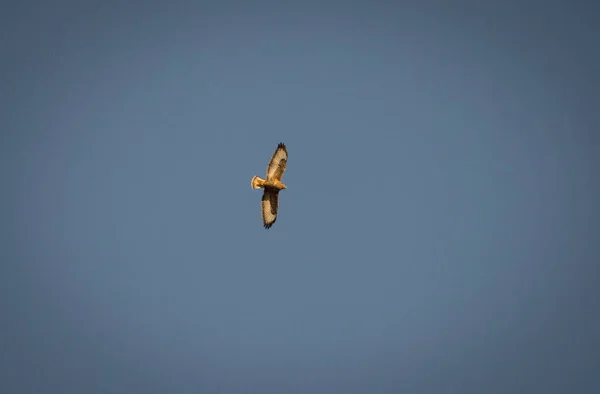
<point x="272" y="185"/>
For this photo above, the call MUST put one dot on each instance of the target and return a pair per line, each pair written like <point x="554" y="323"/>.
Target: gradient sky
<point x="439" y="233"/>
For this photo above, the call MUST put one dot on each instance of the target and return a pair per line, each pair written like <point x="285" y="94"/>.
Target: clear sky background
<point x="439" y="233"/>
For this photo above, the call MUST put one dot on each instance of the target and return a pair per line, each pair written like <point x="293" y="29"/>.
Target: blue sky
<point x="439" y="232"/>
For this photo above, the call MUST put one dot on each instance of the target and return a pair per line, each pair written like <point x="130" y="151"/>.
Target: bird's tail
<point x="257" y="182"/>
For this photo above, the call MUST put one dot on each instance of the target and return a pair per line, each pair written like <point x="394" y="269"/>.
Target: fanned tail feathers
<point x="257" y="182"/>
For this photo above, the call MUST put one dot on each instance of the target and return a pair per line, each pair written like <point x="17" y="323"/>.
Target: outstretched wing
<point x="277" y="164"/>
<point x="270" y="203"/>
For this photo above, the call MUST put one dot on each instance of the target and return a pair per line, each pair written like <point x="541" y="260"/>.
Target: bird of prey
<point x="272" y="185"/>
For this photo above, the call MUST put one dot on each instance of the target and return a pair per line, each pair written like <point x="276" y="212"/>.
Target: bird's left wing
<point x="269" y="203"/>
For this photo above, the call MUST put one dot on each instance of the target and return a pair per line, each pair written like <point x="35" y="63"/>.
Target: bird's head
<point x="283" y="186"/>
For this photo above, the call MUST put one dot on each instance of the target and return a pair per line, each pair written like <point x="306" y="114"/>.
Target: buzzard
<point x="272" y="185"/>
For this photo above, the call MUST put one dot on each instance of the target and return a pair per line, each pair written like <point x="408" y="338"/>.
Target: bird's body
<point x="272" y="185"/>
<point x="259" y="183"/>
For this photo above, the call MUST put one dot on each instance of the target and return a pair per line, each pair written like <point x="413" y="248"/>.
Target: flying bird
<point x="272" y="185"/>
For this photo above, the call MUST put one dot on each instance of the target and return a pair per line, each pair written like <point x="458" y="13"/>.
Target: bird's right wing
<point x="278" y="163"/>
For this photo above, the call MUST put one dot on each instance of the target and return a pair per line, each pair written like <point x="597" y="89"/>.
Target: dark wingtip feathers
<point x="269" y="225"/>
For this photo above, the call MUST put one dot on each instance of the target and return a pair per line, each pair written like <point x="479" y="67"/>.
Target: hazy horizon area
<point x="439" y="233"/>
